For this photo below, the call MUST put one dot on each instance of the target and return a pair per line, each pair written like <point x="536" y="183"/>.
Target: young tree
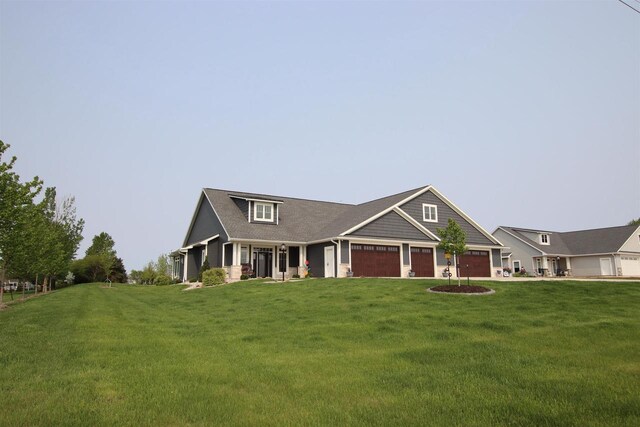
<point x="15" y="200"/>
<point x="634" y="222"/>
<point x="453" y="241"/>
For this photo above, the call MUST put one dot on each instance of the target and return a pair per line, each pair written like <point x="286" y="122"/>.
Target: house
<point x="266" y="236"/>
<point x="613" y="251"/>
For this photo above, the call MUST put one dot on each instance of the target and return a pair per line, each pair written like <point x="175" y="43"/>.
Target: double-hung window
<point x="263" y="212"/>
<point x="429" y="213"/>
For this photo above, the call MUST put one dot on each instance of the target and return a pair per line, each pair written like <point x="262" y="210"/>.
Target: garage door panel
<point x="422" y="262"/>
<point x="475" y="264"/>
<point x="375" y="261"/>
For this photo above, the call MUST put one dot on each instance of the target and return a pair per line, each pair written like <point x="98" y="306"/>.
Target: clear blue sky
<point x="522" y="113"/>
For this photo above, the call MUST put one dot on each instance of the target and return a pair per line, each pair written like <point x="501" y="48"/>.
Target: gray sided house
<point x="613" y="251"/>
<point x="389" y="237"/>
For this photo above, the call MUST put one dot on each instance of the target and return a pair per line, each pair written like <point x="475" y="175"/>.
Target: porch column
<point x="545" y="265"/>
<point x="568" y="260"/>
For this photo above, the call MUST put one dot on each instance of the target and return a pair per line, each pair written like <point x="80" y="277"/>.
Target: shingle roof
<point x="300" y="220"/>
<point x="582" y="242"/>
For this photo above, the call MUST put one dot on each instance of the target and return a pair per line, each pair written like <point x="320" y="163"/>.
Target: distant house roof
<point x="582" y="242"/>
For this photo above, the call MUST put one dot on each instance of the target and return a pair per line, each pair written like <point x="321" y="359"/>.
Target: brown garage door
<point x="477" y="262"/>
<point x="375" y="261"/>
<point x="422" y="262"/>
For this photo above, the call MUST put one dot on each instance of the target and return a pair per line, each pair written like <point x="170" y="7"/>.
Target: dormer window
<point x="263" y="212"/>
<point x="429" y="213"/>
<point x="544" y="239"/>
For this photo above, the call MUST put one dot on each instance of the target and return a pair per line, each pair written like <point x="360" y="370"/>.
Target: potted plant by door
<point x="412" y="273"/>
<point x="349" y="273"/>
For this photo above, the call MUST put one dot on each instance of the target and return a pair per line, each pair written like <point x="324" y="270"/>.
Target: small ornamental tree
<point x="453" y="241"/>
<point x="205" y="267"/>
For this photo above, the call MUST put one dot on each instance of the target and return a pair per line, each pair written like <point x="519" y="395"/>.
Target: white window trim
<point x="424" y="212"/>
<point x="542" y="242"/>
<point x="264" y="205"/>
<point x="519" y="265"/>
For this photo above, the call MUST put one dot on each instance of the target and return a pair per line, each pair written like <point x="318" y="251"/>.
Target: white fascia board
<point x="251" y="199"/>
<point x="635" y="233"/>
<point x="415" y="223"/>
<point x="193" y="218"/>
<point x="200" y="243"/>
<point x="464" y="215"/>
<point x="387" y="210"/>
<point x="523" y="241"/>
<point x="270" y="242"/>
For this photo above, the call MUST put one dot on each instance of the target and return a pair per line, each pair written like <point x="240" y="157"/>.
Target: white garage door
<point x="630" y="266"/>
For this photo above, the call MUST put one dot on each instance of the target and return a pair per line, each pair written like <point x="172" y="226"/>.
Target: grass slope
<point x="356" y="352"/>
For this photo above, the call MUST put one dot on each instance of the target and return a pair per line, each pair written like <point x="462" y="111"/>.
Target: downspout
<point x="335" y="261"/>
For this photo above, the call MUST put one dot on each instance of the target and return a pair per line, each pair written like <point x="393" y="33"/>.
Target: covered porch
<point x="264" y="259"/>
<point x="553" y="265"/>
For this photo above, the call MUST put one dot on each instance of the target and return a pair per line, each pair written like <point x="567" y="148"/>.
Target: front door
<point x="329" y="262"/>
<point x="262" y="263"/>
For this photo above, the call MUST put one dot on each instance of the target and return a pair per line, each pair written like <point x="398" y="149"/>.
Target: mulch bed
<point x="462" y="289"/>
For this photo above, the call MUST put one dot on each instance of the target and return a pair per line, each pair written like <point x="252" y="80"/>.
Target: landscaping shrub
<point x="244" y="277"/>
<point x="162" y="279"/>
<point x="214" y="276"/>
<point x="295" y="276"/>
<point x="205" y="267"/>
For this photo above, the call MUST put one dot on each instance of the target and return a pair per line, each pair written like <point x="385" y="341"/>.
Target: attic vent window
<point x="429" y="213"/>
<point x="263" y="212"/>
<point x="544" y="239"/>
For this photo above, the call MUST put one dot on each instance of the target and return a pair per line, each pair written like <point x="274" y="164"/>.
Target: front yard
<point x="324" y="352"/>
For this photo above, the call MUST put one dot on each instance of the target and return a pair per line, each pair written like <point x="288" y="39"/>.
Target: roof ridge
<point x="238" y="193"/>
<point x="394" y="195"/>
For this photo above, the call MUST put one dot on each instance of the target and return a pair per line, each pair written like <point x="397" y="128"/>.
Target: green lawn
<point x="324" y="352"/>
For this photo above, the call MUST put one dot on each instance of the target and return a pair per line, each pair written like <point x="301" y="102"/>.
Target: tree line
<point x="40" y="235"/>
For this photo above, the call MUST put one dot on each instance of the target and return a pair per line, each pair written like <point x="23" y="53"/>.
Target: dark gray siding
<point x="194" y="262"/>
<point x="294" y="256"/>
<point x="391" y="226"/>
<point x="315" y="255"/>
<point x="414" y="209"/>
<point x="440" y="259"/>
<point x="205" y="225"/>
<point x="228" y="255"/>
<point x="214" y="254"/>
<point x="405" y="254"/>
<point x="243" y="205"/>
<point x="344" y="252"/>
<point x="497" y="257"/>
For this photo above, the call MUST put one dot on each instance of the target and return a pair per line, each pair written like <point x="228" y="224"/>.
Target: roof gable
<point x="392" y="225"/>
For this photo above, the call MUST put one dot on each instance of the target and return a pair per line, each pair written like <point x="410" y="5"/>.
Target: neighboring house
<point x="246" y="233"/>
<point x="613" y="251"/>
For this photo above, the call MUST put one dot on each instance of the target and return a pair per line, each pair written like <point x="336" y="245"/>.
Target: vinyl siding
<point x="206" y="224"/>
<point x="519" y="251"/>
<point x="391" y="226"/>
<point x="497" y="258"/>
<point x="405" y="254"/>
<point x="414" y="209"/>
<point x="214" y="254"/>
<point x="344" y="252"/>
<point x="315" y="255"/>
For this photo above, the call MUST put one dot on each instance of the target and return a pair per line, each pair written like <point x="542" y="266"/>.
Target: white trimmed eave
<point x="271" y="242"/>
<point x="523" y="241"/>
<point x="251" y="199"/>
<point x="465" y="216"/>
<point x="200" y="243"/>
<point x="387" y="210"/>
<point x="415" y="223"/>
<point x="636" y="232"/>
